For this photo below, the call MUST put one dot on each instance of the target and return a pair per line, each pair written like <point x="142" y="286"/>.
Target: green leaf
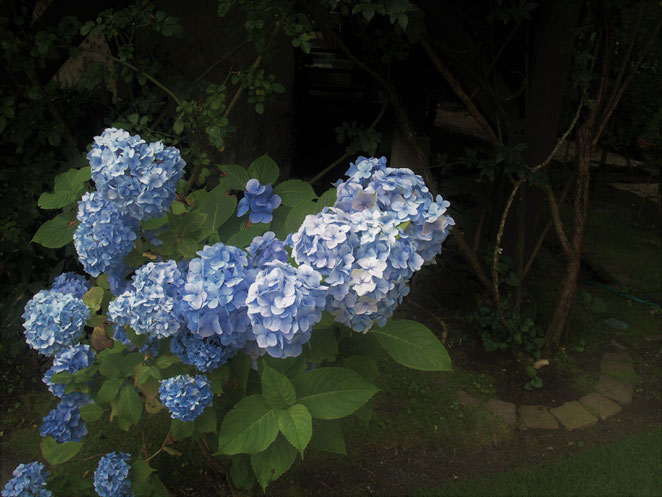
<point x="218" y="377"/>
<point x="277" y="224"/>
<point x="322" y="345"/>
<point x="412" y="344"/>
<point x="365" y="412"/>
<point x="73" y="180"/>
<point x="182" y="429"/>
<point x="296" y="424"/>
<point x="241" y="366"/>
<point x="192" y="222"/>
<point x="188" y="247"/>
<point x="91" y="412"/>
<point x="140" y="471"/>
<point x="327" y="436"/>
<point x="206" y="422"/>
<point x="109" y="365"/>
<point x="297" y="214"/>
<point x="250" y="427"/>
<point x="273" y="462"/>
<point x="362" y="364"/>
<point x="218" y="207"/>
<point x="277" y="390"/>
<point x="56" y="232"/>
<point x="245" y="235"/>
<point x="155" y="223"/>
<point x="235" y="177"/>
<point x="108" y="390"/>
<point x="331" y="393"/>
<point x="166" y="360"/>
<point x="264" y="169"/>
<point x="93" y="298"/>
<point x="56" y="200"/>
<point x="241" y="472"/>
<point x="56" y="453"/>
<point x="327" y="199"/>
<point x="129" y="405"/>
<point x="294" y="191"/>
<point x="291" y="367"/>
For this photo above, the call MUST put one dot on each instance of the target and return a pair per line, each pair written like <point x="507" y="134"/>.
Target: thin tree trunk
<point x="568" y="290"/>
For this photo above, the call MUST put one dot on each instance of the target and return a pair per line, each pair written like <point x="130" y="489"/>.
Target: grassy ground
<point x="632" y="466"/>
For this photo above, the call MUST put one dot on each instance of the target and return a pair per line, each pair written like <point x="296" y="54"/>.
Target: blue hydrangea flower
<point x="64" y="423"/>
<point x="53" y="321"/>
<point x="204" y="354"/>
<point x="104" y="236"/>
<point x="111" y="478"/>
<point x="117" y="279"/>
<point x="284" y="303"/>
<point x="72" y="283"/>
<point x="266" y="248"/>
<point x="185" y="396"/>
<point x="71" y="360"/>
<point x="138" y="177"/>
<point x="404" y="194"/>
<point x="149" y="306"/>
<point x="29" y="481"/>
<point x="259" y="200"/>
<point x="213" y="298"/>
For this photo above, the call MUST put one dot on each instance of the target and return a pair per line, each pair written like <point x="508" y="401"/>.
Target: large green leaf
<point x="331" y="393"/>
<point x="277" y="390"/>
<point x="413" y="345"/>
<point x="327" y="199"/>
<point x="294" y="191"/>
<point x="297" y="214"/>
<point x="322" y="345"/>
<point x="218" y="207"/>
<point x="245" y="235"/>
<point x="273" y="462"/>
<point x="327" y="436"/>
<point x="108" y="390"/>
<point x="264" y="169"/>
<point x="56" y="453"/>
<point x="56" y="200"/>
<point x="250" y="427"/>
<point x="91" y="412"/>
<point x="296" y="424"/>
<point x="129" y="405"/>
<point x="72" y="180"/>
<point x="56" y="232"/>
<point x="235" y="177"/>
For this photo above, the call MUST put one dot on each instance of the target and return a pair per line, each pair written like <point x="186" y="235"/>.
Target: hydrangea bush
<point x="234" y="328"/>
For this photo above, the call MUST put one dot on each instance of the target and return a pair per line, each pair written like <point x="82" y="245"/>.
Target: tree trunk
<point x="568" y="290"/>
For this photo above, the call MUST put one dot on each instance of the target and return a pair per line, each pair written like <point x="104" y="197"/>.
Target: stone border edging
<point x="612" y="392"/>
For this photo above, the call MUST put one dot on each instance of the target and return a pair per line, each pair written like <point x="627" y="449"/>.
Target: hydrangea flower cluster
<point x="383" y="227"/>
<point x="72" y="283"/>
<point x="104" y="236"/>
<point x="71" y="360"/>
<point x="138" y="177"/>
<point x="150" y="304"/>
<point x="185" y="396"/>
<point x="64" y="423"/>
<point x="401" y="192"/>
<point x="111" y="478"/>
<point x="135" y="180"/>
<point x="284" y="303"/>
<point x="214" y="295"/>
<point x="29" y="481"/>
<point x="266" y="248"/>
<point x="53" y="321"/>
<point x="259" y="200"/>
<point x="204" y="354"/>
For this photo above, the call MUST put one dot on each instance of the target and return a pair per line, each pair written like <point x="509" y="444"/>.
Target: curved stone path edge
<point x="612" y="392"/>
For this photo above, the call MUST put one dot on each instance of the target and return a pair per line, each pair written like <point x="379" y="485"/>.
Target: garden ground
<point x="421" y="434"/>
